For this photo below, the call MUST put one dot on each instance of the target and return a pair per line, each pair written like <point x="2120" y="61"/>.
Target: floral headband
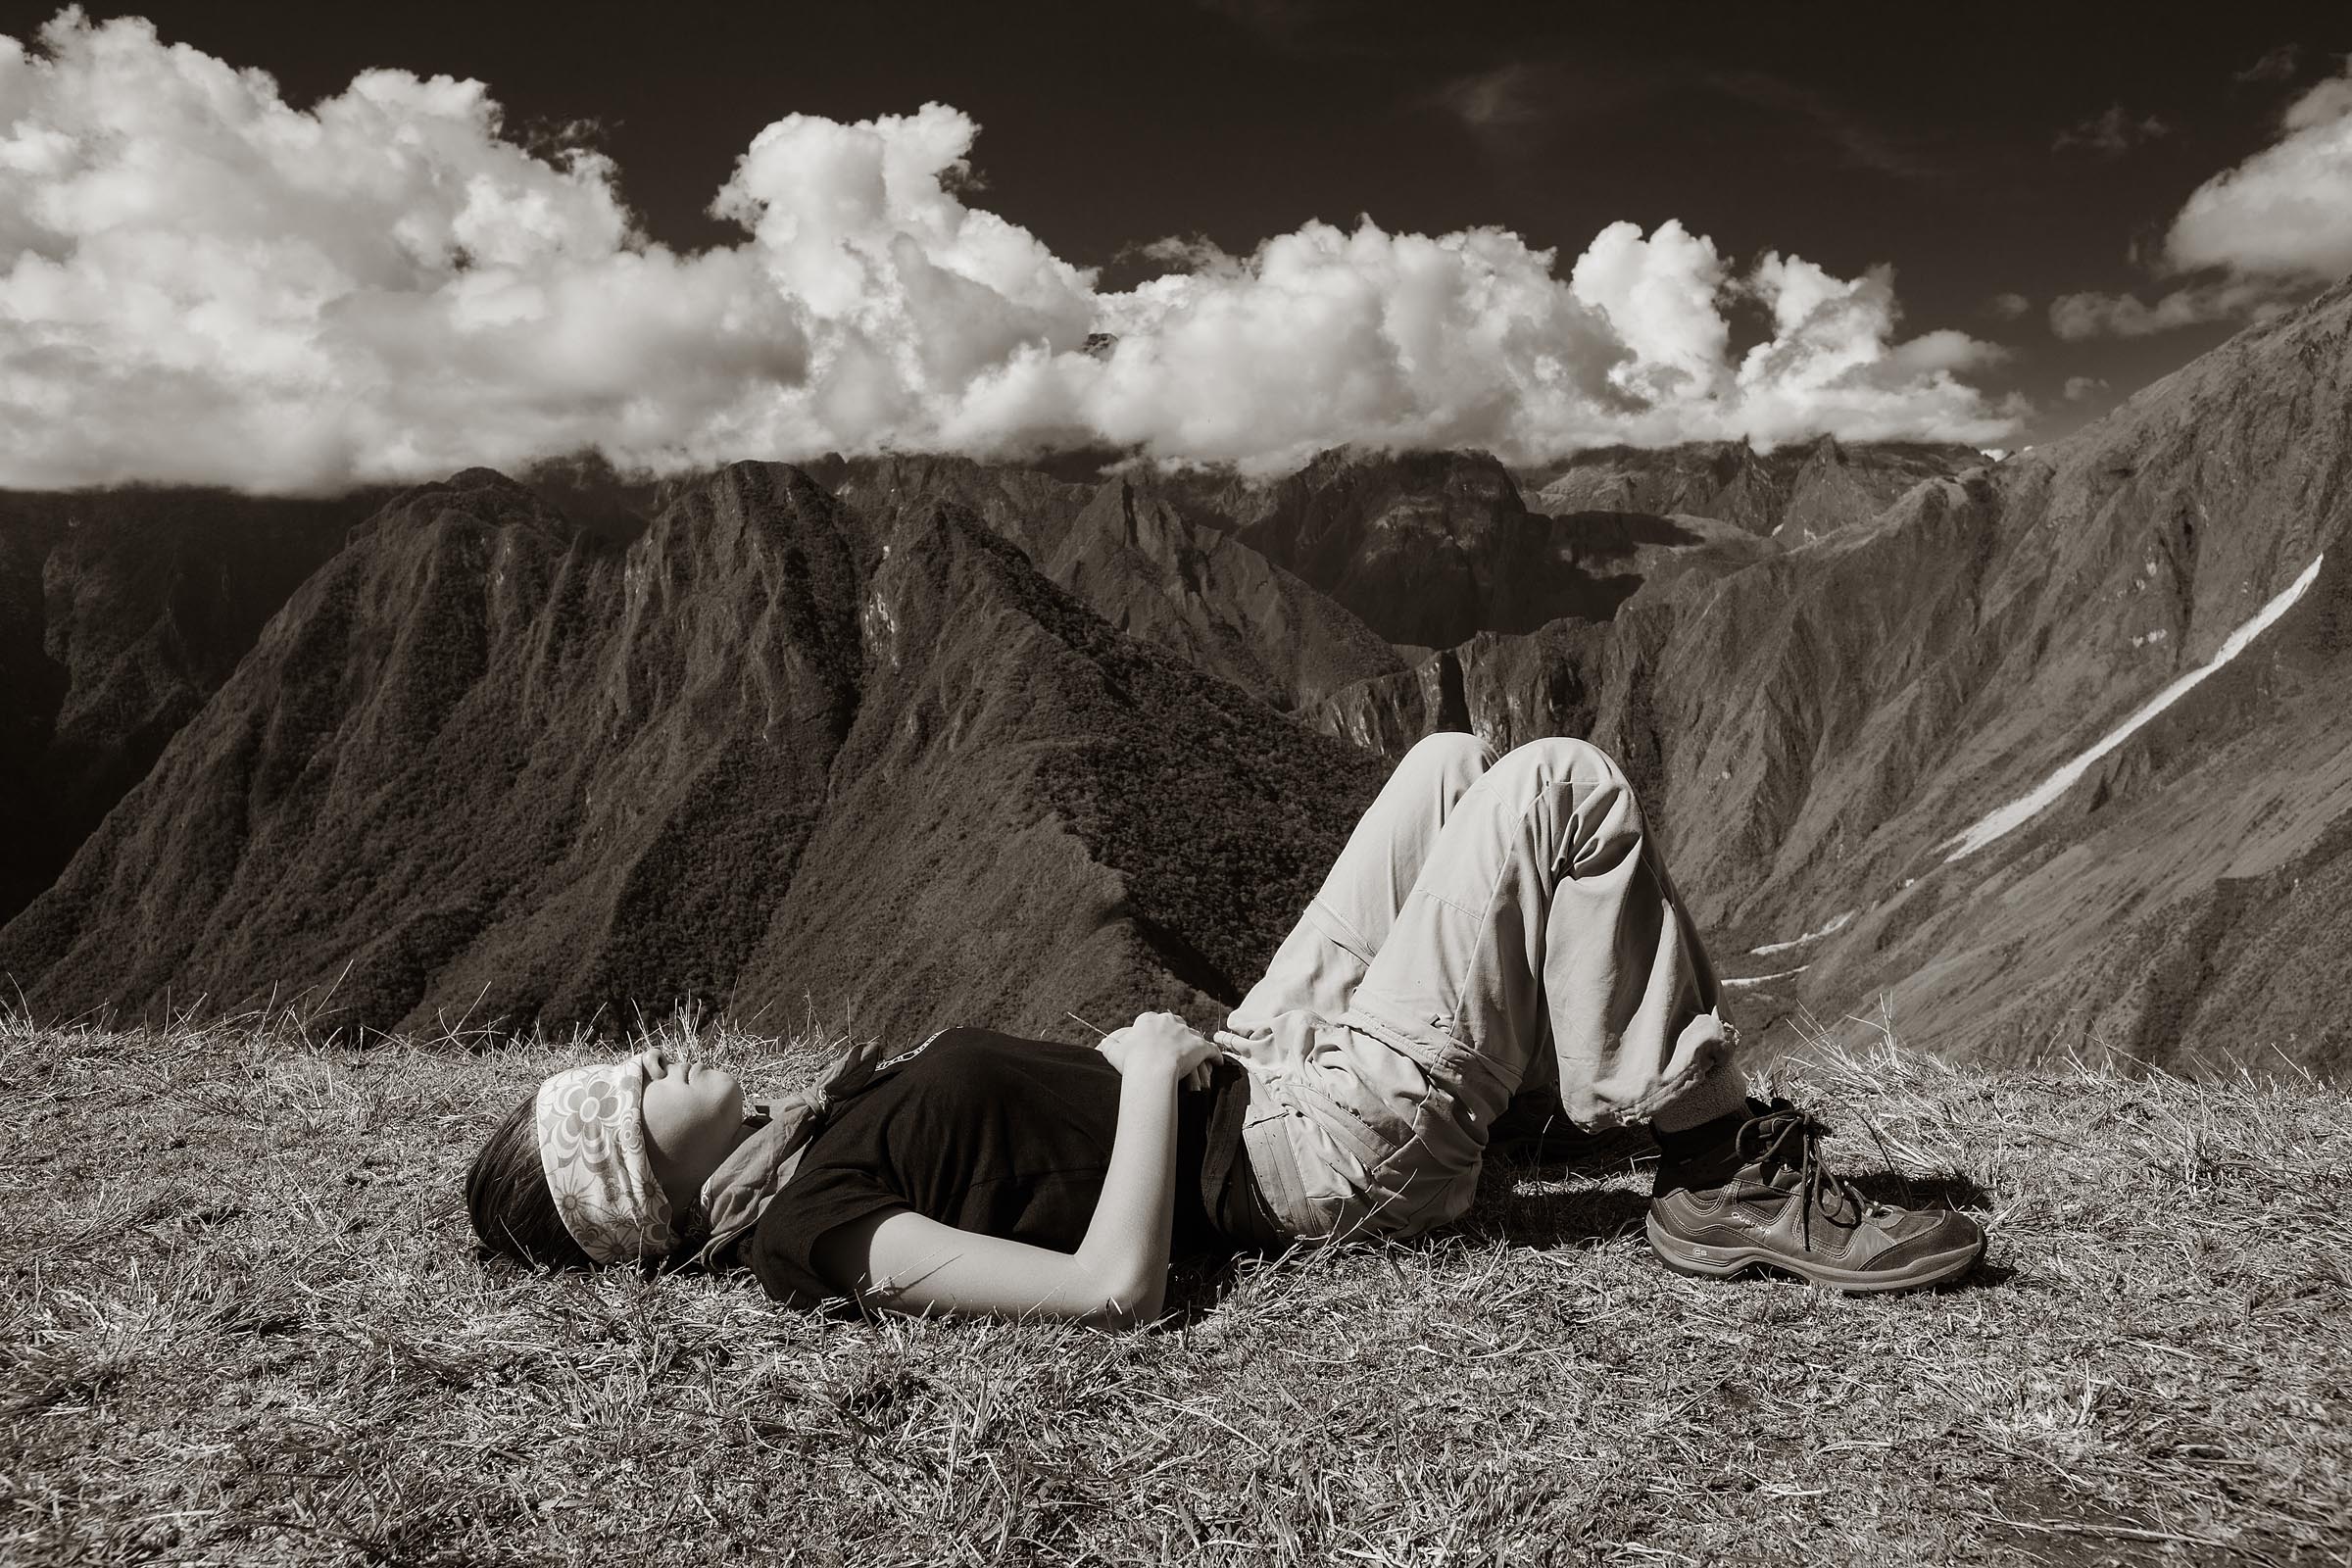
<point x="591" y="1127"/>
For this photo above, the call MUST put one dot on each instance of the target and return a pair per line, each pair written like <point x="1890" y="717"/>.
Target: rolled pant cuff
<point x="1719" y="1093"/>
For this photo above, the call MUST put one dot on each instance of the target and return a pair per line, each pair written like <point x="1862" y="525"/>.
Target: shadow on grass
<point x="1944" y="1190"/>
<point x="1585" y="1215"/>
<point x="1553" y="1220"/>
<point x="1542" y="1187"/>
<point x="1981" y="1275"/>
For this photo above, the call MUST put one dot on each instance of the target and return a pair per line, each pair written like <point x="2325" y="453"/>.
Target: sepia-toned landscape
<point x="455" y="624"/>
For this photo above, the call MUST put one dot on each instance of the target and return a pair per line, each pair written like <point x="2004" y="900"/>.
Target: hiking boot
<point x="1767" y="1197"/>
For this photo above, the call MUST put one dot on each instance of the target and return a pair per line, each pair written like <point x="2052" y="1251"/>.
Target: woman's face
<point x="693" y="1120"/>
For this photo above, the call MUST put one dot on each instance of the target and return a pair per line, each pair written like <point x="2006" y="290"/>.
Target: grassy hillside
<point x="242" y="1323"/>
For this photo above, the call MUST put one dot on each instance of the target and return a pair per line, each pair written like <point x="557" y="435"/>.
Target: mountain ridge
<point x="487" y="765"/>
<point x="1807" y="489"/>
<point x="1812" y="725"/>
<point x="1814" y="721"/>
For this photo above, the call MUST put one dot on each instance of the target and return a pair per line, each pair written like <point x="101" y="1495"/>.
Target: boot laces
<point x="1788" y="1138"/>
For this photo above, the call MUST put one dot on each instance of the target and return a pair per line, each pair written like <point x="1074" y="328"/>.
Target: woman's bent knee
<point x="1563" y="757"/>
<point x="1448" y="753"/>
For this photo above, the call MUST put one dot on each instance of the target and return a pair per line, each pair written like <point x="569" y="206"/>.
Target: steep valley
<point x="928" y="737"/>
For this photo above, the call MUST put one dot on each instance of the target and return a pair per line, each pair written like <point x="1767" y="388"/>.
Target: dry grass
<point x="244" y="1324"/>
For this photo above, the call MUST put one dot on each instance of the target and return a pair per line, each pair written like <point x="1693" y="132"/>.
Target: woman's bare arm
<point x="1119" y="1274"/>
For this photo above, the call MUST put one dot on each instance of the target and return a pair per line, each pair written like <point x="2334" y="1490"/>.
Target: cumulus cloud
<point x="2264" y="233"/>
<point x="2287" y="212"/>
<point x="2007" y="307"/>
<point x="200" y="282"/>
<point x="2082" y="388"/>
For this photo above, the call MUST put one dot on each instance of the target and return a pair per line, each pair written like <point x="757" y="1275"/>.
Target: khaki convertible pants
<point x="1491" y="923"/>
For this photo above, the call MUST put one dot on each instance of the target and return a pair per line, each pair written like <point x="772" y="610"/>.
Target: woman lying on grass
<point x="1495" y="929"/>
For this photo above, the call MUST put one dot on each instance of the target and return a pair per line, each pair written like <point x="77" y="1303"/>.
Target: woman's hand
<point x="1119" y="1275"/>
<point x="1162" y="1043"/>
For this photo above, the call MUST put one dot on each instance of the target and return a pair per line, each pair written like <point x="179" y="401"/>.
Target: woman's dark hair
<point x="505" y="1192"/>
<point x="515" y="1215"/>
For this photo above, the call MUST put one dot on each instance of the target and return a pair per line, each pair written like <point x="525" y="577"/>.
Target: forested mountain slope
<point x="484" y="764"/>
<point x="121" y="613"/>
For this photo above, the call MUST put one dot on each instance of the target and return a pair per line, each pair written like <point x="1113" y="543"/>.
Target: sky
<point x="242" y="245"/>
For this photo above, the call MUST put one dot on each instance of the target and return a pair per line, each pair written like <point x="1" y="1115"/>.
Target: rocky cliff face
<point x="1206" y="595"/>
<point x="1031" y="508"/>
<point x="771" y="752"/>
<point x="1424" y="548"/>
<point x="1127" y="548"/>
<point x="120" y="613"/>
<point x="1038" y="814"/>
<point x="1793" y="493"/>
<point x="2184" y="897"/>
<point x="1814" y="730"/>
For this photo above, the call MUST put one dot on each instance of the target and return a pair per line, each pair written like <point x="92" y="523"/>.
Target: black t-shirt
<point x="1008" y="1137"/>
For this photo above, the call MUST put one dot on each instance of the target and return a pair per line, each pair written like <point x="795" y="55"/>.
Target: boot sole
<point x="1722" y="1262"/>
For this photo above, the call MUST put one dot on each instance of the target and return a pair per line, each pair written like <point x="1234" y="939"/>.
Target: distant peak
<point x="483" y="492"/>
<point x="478" y="478"/>
<point x="483" y="497"/>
